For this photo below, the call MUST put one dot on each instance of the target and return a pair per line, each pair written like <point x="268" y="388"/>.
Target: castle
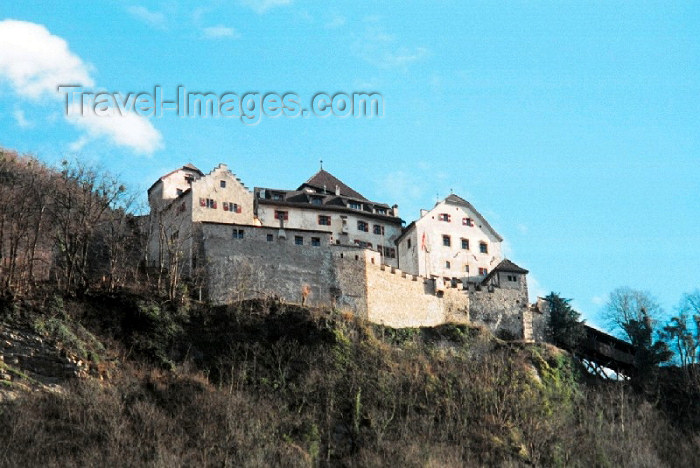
<point x="326" y="245"/>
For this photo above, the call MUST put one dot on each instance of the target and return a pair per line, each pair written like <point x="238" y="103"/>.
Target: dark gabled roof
<point x="510" y="267"/>
<point x="325" y="180"/>
<point x="455" y="200"/>
<point x="505" y="266"/>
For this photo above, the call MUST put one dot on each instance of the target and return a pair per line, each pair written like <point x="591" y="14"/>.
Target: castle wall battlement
<point x="244" y="261"/>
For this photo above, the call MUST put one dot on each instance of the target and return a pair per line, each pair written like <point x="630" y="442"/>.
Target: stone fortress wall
<point x="265" y="261"/>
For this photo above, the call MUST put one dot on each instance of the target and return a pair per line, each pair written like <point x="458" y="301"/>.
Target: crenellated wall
<point x="505" y="311"/>
<point x="265" y="261"/>
<point x="397" y="299"/>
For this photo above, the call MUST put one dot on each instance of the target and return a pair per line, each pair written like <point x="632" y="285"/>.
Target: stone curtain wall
<point x="252" y="266"/>
<point x="397" y="299"/>
<point x="351" y="279"/>
<point x="503" y="311"/>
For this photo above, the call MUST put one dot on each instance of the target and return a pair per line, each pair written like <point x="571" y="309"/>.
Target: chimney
<point x="337" y="190"/>
<point x="395" y="210"/>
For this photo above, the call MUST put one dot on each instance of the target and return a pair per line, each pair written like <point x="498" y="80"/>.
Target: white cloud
<point x="35" y="63"/>
<point x="152" y="18"/>
<point x="129" y="129"/>
<point x="21" y="120"/>
<point x="382" y="49"/>
<point x="263" y="6"/>
<point x="220" y="32"/>
<point x="522" y="228"/>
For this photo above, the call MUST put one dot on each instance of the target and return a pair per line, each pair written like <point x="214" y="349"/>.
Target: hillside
<point x="148" y="382"/>
<point x="106" y="362"/>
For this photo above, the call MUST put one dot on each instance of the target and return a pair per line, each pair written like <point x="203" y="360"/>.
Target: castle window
<point x="324" y="220"/>
<point x="270" y="238"/>
<point x="447" y="265"/>
<point x="483" y="271"/>
<point x="378" y="229"/>
<point x="446" y="241"/>
<point x="362" y="226"/>
<point x="465" y="244"/>
<point x="390" y="252"/>
<point x="282" y="215"/>
<point x="210" y="203"/>
<point x="222" y="184"/>
<point x="381" y="211"/>
<point x="466" y="268"/>
<point x="444" y="217"/>
<point x="238" y="233"/>
<point x="467" y="222"/>
<point x="316" y="241"/>
<point x="298" y="240"/>
<point x="233" y="207"/>
<point x="355" y="205"/>
<point x="408" y="244"/>
<point x="511" y="277"/>
<point x="276" y="196"/>
<point x="483" y="247"/>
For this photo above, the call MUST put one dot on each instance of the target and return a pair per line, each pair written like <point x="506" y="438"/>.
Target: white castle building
<point x="325" y="244"/>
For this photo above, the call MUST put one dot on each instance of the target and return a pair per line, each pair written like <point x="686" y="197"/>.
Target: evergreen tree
<point x="648" y="354"/>
<point x="565" y="325"/>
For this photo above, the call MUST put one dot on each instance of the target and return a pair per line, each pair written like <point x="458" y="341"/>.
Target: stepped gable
<point x="325" y="180"/>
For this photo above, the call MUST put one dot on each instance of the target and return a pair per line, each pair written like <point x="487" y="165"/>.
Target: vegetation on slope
<point x="162" y="380"/>
<point x="264" y="383"/>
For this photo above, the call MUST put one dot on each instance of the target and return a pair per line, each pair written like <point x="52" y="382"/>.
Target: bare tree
<point x="626" y="304"/>
<point x="82" y="200"/>
<point x="683" y="330"/>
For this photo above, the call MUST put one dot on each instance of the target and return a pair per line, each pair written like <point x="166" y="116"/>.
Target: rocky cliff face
<point x="29" y="361"/>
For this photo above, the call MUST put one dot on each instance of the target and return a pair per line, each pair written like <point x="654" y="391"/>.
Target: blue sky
<point x="572" y="126"/>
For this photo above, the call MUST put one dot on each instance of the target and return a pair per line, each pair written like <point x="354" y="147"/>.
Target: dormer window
<point x="381" y="211"/>
<point x="276" y="196"/>
<point x="355" y="205"/>
<point x="316" y="201"/>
